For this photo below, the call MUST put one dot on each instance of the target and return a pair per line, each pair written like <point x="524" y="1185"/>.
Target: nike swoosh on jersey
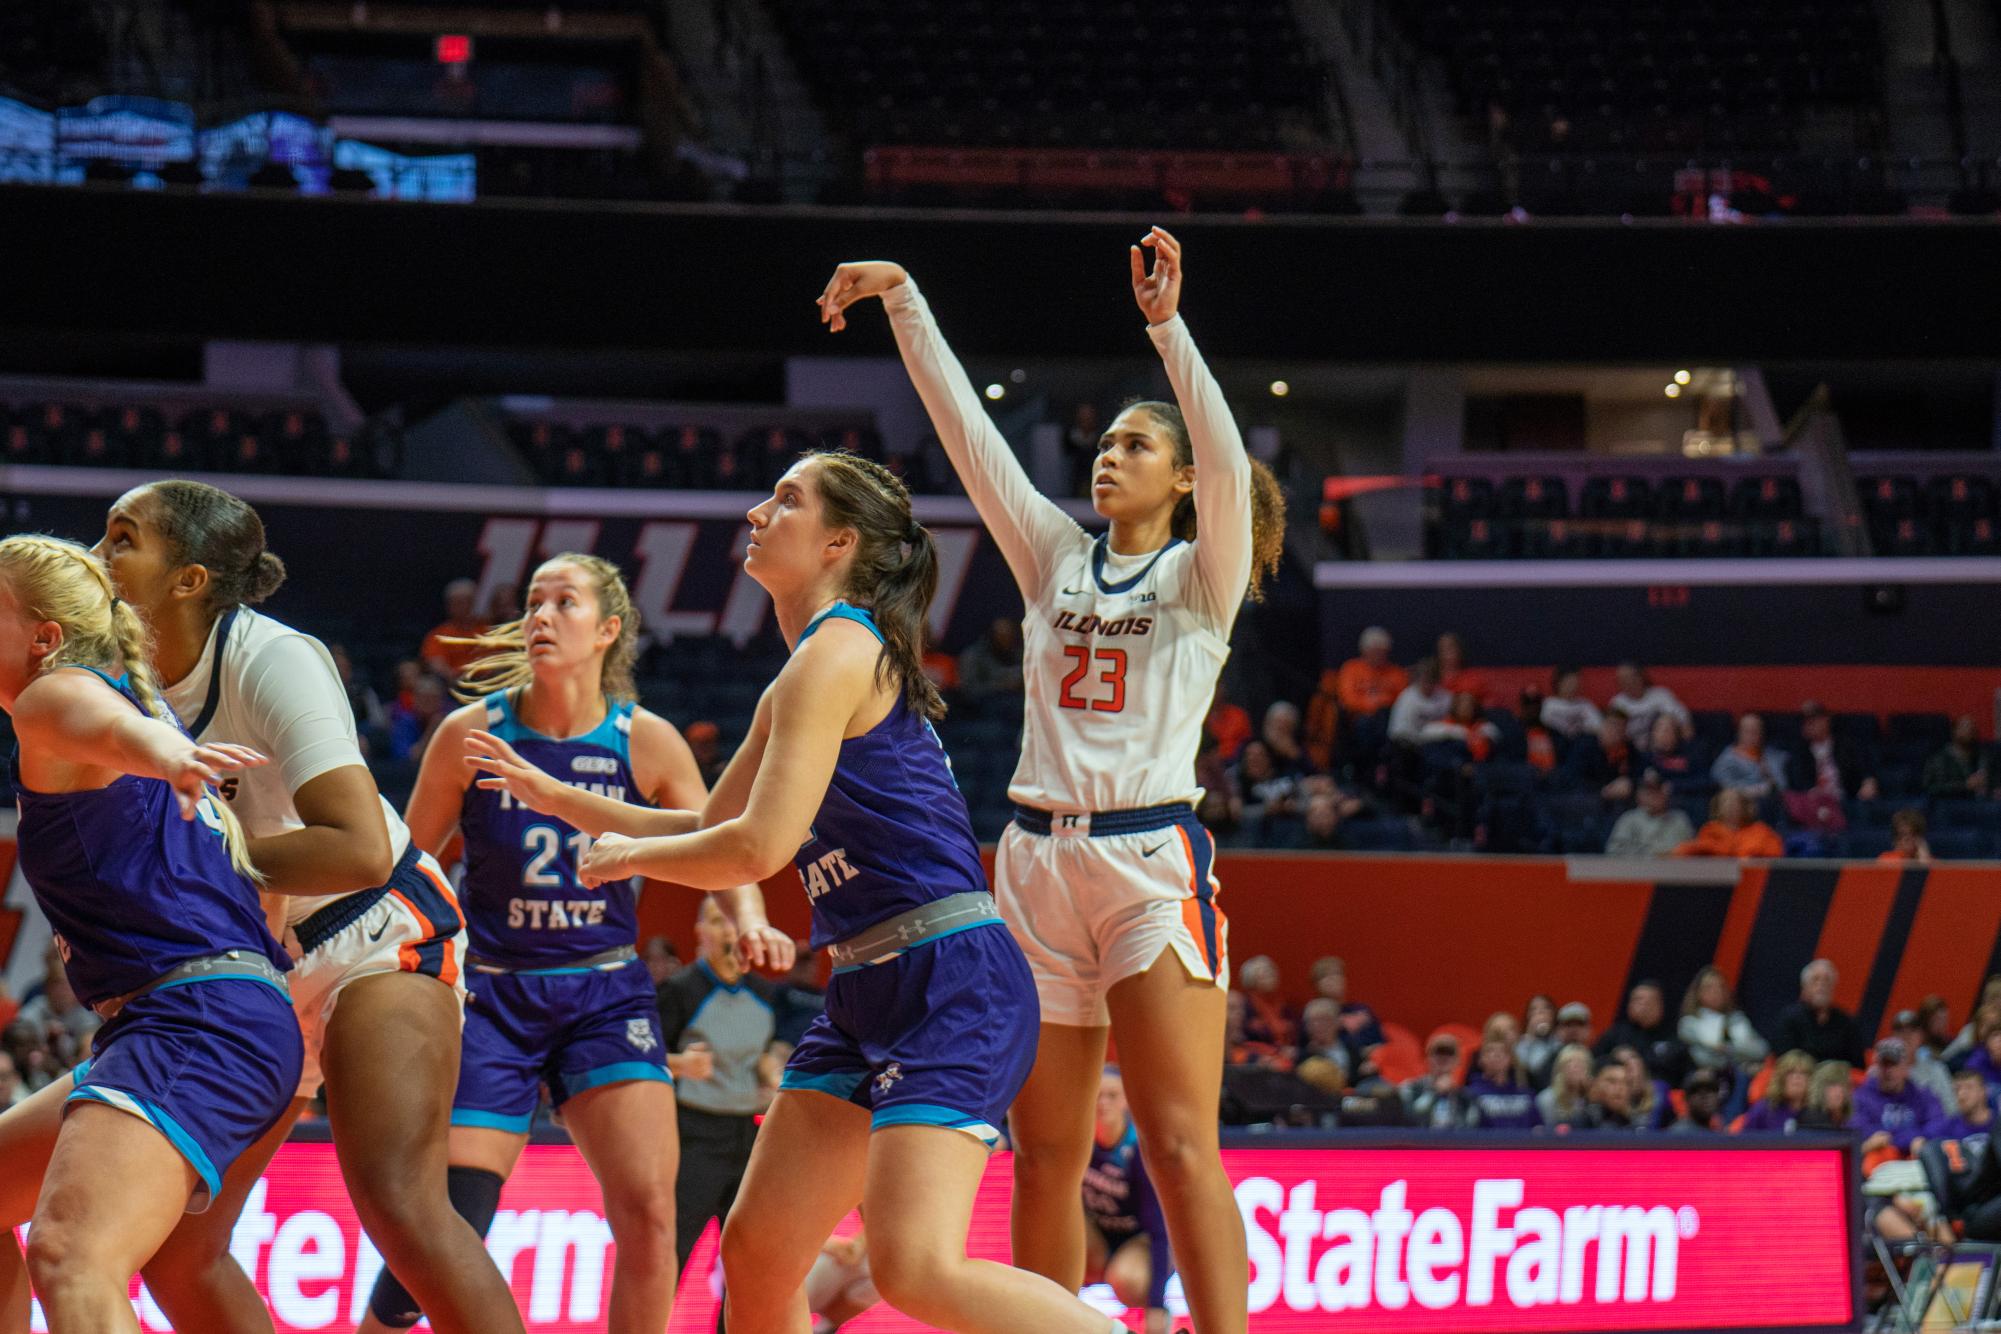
<point x="376" y="934"/>
<point x="1155" y="848"/>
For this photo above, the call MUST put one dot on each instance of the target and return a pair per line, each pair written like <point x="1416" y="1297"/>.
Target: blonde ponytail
<point x="62" y="582"/>
<point x="503" y="661"/>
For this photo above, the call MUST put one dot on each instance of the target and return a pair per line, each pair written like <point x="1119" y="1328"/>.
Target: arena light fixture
<point x="1681" y="377"/>
<point x="1279" y="389"/>
<point x="996" y="391"/>
<point x="1672" y="391"/>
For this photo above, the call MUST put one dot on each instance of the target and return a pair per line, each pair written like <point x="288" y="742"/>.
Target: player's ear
<point x="608" y="630"/>
<point x="190" y="581"/>
<point x="47" y="640"/>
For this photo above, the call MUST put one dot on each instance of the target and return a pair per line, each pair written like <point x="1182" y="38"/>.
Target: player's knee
<point x="1042" y="1151"/>
<point x="404" y="1218"/>
<point x="1128" y="1276"/>
<point x="1179" y="1151"/>
<point x="746" y="1249"/>
<point x="642" y="1218"/>
<point x="913" y="1275"/>
<point x="61" y="1254"/>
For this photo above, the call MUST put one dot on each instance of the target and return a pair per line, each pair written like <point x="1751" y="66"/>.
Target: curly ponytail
<point x="895" y="568"/>
<point x="62" y="582"/>
<point x="1267" y="500"/>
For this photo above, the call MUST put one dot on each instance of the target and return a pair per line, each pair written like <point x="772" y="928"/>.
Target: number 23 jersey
<point x="524" y="905"/>
<point x="1119" y="670"/>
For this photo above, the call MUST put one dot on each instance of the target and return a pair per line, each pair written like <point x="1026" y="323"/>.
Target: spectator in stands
<point x="1566" y="712"/>
<point x="1734" y="830"/>
<point x="1647" y="1029"/>
<point x="371" y="720"/>
<point x="1538" y="1044"/>
<point x="1668" y="749"/>
<point x="1830" y="1098"/>
<point x="1080" y="445"/>
<point x="1499" y="1098"/>
<point x="1263" y="788"/>
<point x="1890" y="1110"/>
<point x="1985" y="1059"/>
<point x="1649" y="1099"/>
<point x="66" y="1023"/>
<point x="1280" y="733"/>
<point x="1321" y="1036"/>
<point x="1825" y="763"/>
<point x="1271" y="1029"/>
<point x="704" y="740"/>
<point x="1464" y="723"/>
<point x="1421" y="702"/>
<point x="1653" y="828"/>
<point x="1907" y="839"/>
<point x="1502" y="1026"/>
<point x="1748" y="764"/>
<point x="1454" y="674"/>
<point x="1788" y="1095"/>
<point x="502" y="605"/>
<point x="1434" y="1099"/>
<point x="1370" y="683"/>
<point x="1541" y="748"/>
<point x="1607" y="764"/>
<point x="991" y="666"/>
<point x="1972" y="1113"/>
<point x="411" y="724"/>
<point x="461" y="621"/>
<point x="1229" y="724"/>
<point x="1935" y="1019"/>
<point x="940" y="668"/>
<point x="26" y="1044"/>
<point x="661" y="958"/>
<point x="1718" y="1035"/>
<point x="1323" y="722"/>
<point x="1566" y="1103"/>
<point x="1959" y="770"/>
<point x="1327" y="809"/>
<point x="1814" y="1024"/>
<point x="1968" y="1038"/>
<point x="1928" y="1072"/>
<point x="1359" y="1026"/>
<point x="1701" y="1100"/>
<point x="1642" y="701"/>
<point x="1573" y="1024"/>
<point x="1612" y="1097"/>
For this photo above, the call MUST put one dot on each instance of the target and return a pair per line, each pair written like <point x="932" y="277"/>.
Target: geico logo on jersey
<point x="1097" y="625"/>
<point x="1346" y="1259"/>
<point x="827" y="873"/>
<point x="594" y="764"/>
<point x="554" y="914"/>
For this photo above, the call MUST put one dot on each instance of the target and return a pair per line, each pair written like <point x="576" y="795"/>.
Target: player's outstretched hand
<point x="1158" y="292"/>
<point x="507" y="772"/>
<point x="605" y="860"/>
<point x="853" y="282"/>
<point x="199" y="766"/>
<point x="765" y="946"/>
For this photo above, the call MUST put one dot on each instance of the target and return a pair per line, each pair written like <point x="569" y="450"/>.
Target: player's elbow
<point x="760" y="851"/>
<point x="371" y="857"/>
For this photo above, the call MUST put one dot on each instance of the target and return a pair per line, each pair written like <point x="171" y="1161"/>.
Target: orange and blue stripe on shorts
<point x="428" y="898"/>
<point x="1199" y="912"/>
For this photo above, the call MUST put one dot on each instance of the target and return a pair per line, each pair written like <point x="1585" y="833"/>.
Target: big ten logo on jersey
<point x="827" y="873"/>
<point x="674" y="594"/>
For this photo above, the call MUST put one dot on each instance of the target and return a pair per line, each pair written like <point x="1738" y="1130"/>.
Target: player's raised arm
<point x="1027" y="524"/>
<point x="1222" y="468"/>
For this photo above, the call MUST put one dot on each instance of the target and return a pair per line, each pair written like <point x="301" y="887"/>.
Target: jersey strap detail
<point x="841" y="611"/>
<point x="1098" y="550"/>
<point x="214" y="697"/>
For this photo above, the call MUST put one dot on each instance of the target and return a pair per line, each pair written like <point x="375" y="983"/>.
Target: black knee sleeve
<point x="475" y="1194"/>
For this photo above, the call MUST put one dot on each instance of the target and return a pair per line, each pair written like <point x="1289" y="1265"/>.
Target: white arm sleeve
<point x="293" y="699"/>
<point x="1222" y="476"/>
<point x="1029" y="527"/>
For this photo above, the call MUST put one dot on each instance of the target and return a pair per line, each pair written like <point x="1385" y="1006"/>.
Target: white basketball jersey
<point x="280" y="695"/>
<point x="1119" y="672"/>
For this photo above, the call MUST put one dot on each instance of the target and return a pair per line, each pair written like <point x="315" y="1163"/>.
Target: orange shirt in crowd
<point x="1231" y="727"/>
<point x="1364" y="688"/>
<point x="1467" y="682"/>
<point x="1323" y="720"/>
<point x="1894" y="855"/>
<point x="452" y="656"/>
<point x="1717" y="839"/>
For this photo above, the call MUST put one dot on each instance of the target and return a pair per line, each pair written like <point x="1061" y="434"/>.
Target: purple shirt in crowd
<point x="1908" y="1114"/>
<point x="1502" y="1106"/>
<point x="1771" y="1118"/>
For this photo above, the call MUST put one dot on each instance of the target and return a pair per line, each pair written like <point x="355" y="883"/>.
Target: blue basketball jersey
<point x="892" y="832"/>
<point x="524" y="906"/>
<point x="131" y="888"/>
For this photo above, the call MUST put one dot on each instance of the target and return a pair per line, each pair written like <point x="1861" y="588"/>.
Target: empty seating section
<point x="1953" y="515"/>
<point x="1181" y="74"/>
<point x="699" y="457"/>
<point x="1650" y="76"/>
<point x="1535" y="517"/>
<point x="222" y="437"/>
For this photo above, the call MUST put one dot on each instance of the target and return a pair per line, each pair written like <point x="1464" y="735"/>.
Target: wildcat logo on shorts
<point x="888" y="1077"/>
<point x="639" y="1032"/>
